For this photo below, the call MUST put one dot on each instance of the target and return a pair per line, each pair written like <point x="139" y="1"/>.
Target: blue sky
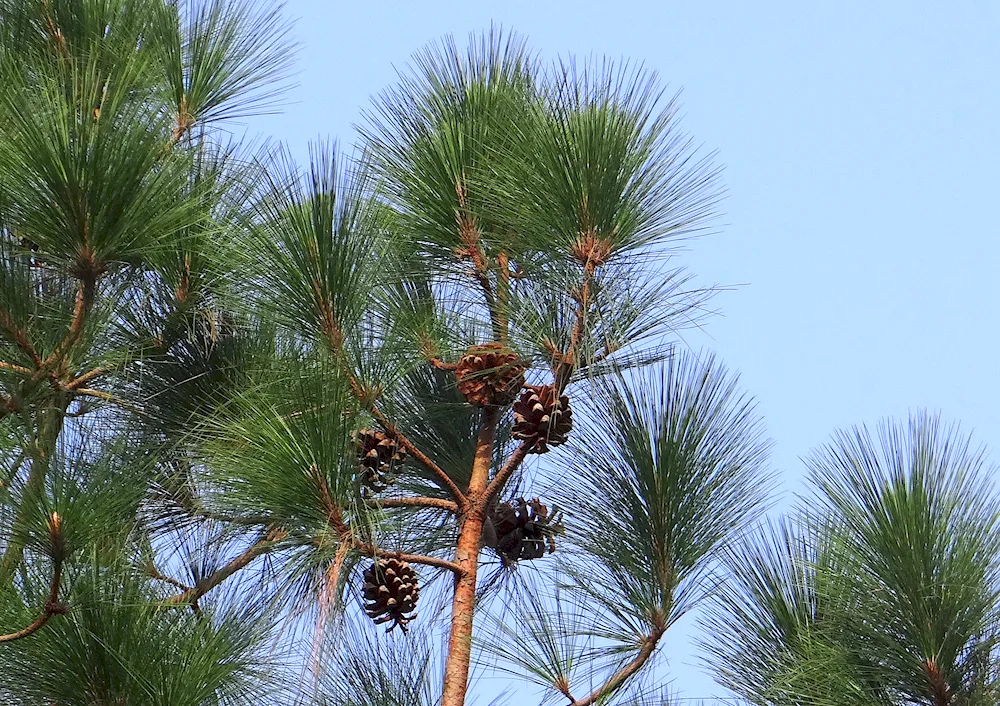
<point x="861" y="156"/>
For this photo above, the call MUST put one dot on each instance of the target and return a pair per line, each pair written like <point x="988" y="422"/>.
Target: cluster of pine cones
<point x="487" y="375"/>
<point x="493" y="375"/>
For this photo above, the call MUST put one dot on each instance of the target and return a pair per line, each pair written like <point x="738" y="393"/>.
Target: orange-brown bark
<point x="456" y="674"/>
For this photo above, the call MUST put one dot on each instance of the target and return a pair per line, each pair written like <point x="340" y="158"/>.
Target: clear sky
<point x="861" y="152"/>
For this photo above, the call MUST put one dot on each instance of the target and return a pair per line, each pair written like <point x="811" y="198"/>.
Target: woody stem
<point x="456" y="675"/>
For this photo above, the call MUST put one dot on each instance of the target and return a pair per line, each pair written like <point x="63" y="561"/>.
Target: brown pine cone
<point x="538" y="414"/>
<point x="391" y="593"/>
<point x="379" y="458"/>
<point x="525" y="529"/>
<point x="490" y="375"/>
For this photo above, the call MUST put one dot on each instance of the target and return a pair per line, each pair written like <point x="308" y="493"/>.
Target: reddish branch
<point x="54" y="32"/>
<point x="335" y="339"/>
<point x="155" y="573"/>
<point x="591" y="251"/>
<point x="436" y="503"/>
<point x="52" y="605"/>
<point x="420" y="456"/>
<point x="184" y="122"/>
<point x="84" y="302"/>
<point x="16" y="368"/>
<point x="441" y="365"/>
<point x="108" y="397"/>
<point x="410" y="558"/>
<point x="85" y="378"/>
<point x="940" y="691"/>
<point x="469" y="235"/>
<point x="616" y="680"/>
<point x="20" y="337"/>
<point x="512" y="464"/>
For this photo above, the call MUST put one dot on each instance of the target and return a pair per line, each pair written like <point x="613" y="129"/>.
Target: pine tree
<point x="881" y="588"/>
<point x="348" y="433"/>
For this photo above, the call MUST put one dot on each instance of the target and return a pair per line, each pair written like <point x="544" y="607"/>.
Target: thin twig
<point x="512" y="464"/>
<point x="85" y="378"/>
<point x="437" y="503"/>
<point x="616" y="680"/>
<point x="259" y="548"/>
<point x="419" y="455"/>
<point x="108" y="397"/>
<point x="16" y="368"/>
<point x="20" y="337"/>
<point x="52" y="607"/>
<point x="409" y="558"/>
<point x="335" y="339"/>
<point x="155" y="573"/>
<point x="469" y="234"/>
<point x="441" y="365"/>
<point x="81" y="308"/>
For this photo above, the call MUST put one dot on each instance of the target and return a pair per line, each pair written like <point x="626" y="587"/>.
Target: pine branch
<point x="155" y="573"/>
<point x="469" y="235"/>
<point x="456" y="675"/>
<point x="616" y="680"/>
<point x="590" y="253"/>
<point x="20" y="337"/>
<point x="441" y="365"/>
<point x="419" y="455"/>
<point x="335" y="339"/>
<point x="85" y="378"/>
<point x="940" y="691"/>
<point x="335" y="518"/>
<point x="108" y="397"/>
<point x="410" y="558"/>
<point x="16" y="368"/>
<point x="403" y="441"/>
<point x="81" y="309"/>
<point x="436" y="503"/>
<point x="52" y="605"/>
<point x="44" y="447"/>
<point x="262" y="546"/>
<point x="512" y="464"/>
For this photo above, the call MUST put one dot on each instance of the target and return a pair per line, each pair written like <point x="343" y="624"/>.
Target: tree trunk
<point x="456" y="674"/>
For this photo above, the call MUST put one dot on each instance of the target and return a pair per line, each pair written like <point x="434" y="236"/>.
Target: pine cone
<point x="391" y="593"/>
<point x="490" y="375"/>
<point x="539" y="414"/>
<point x="525" y="529"/>
<point x="379" y="455"/>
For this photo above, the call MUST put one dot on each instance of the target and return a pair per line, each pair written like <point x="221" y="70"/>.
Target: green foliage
<point x="96" y="500"/>
<point x="282" y="450"/>
<point x="439" y="138"/>
<point x="314" y="253"/>
<point x="886" y="590"/>
<point x="671" y="468"/>
<point x="366" y="671"/>
<point x="85" y="162"/>
<point x="119" y="646"/>
<point x="224" y="60"/>
<point x="196" y="334"/>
